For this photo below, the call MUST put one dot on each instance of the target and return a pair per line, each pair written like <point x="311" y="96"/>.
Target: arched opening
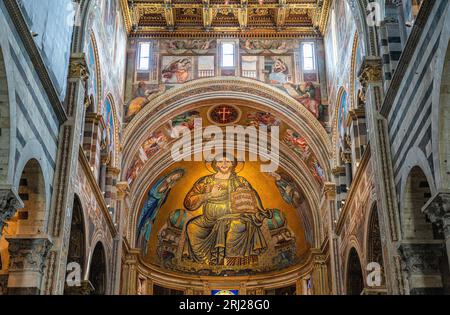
<point x="77" y="246"/>
<point x="24" y="232"/>
<point x="355" y="278"/>
<point x="423" y="242"/>
<point x="97" y="272"/>
<point x="415" y="225"/>
<point x="374" y="246"/>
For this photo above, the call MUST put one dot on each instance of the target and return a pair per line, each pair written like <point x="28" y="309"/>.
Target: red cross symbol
<point x="224" y="112"/>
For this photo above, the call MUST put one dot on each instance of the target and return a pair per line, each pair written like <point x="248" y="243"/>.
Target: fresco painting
<point x="219" y="217"/>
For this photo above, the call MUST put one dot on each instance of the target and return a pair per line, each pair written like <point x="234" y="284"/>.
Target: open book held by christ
<point x="243" y="201"/>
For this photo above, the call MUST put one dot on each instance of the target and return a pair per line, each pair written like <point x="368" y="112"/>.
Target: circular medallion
<point x="224" y="114"/>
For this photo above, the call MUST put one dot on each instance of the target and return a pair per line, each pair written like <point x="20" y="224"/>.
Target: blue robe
<point x="149" y="212"/>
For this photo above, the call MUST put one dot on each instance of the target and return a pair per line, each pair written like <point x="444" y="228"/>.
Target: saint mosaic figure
<point x="157" y="196"/>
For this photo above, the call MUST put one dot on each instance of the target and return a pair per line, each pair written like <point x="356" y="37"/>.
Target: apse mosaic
<point x="221" y="115"/>
<point x="274" y="62"/>
<point x="222" y="217"/>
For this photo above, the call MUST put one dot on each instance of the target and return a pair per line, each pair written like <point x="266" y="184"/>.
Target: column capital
<point x="329" y="189"/>
<point x="370" y="71"/>
<point x="123" y="189"/>
<point x="338" y="170"/>
<point x="438" y="209"/>
<point x="9" y="203"/>
<point x="78" y="68"/>
<point x="28" y="253"/>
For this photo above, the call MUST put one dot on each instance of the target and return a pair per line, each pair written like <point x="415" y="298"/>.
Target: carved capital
<point x="78" y="68"/>
<point x="346" y="156"/>
<point x="438" y="211"/>
<point x="329" y="189"/>
<point x="338" y="171"/>
<point x="370" y="71"/>
<point x="28" y="253"/>
<point x="123" y="189"/>
<point x="319" y="260"/>
<point x="9" y="203"/>
<point x="421" y="258"/>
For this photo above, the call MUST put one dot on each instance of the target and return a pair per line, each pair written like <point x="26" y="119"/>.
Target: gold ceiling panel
<point x="174" y="18"/>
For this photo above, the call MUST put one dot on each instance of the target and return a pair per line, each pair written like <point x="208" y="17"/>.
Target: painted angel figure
<point x="157" y="196"/>
<point x="307" y="94"/>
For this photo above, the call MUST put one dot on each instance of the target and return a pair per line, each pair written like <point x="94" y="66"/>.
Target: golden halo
<point x="239" y="167"/>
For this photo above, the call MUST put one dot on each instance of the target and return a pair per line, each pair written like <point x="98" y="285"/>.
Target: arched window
<point x="97" y="271"/>
<point x="355" y="278"/>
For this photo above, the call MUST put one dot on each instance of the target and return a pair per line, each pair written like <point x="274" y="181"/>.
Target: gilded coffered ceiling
<point x="263" y="18"/>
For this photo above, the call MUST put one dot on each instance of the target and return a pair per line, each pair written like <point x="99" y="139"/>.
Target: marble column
<point x="28" y="255"/>
<point x="370" y="76"/>
<point x="65" y="176"/>
<point x="9" y="203"/>
<point x="438" y="211"/>
<point x="320" y="276"/>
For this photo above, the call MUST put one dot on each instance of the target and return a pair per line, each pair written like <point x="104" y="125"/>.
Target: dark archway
<point x="415" y="225"/>
<point x="97" y="272"/>
<point x="25" y="232"/>
<point x="77" y="244"/>
<point x="374" y="246"/>
<point x="355" y="278"/>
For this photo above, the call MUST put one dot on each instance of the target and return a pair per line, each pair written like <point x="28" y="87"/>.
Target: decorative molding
<point x="85" y="166"/>
<point x="353" y="189"/>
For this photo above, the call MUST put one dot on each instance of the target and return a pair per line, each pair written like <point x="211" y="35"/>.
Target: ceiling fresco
<point x="194" y="221"/>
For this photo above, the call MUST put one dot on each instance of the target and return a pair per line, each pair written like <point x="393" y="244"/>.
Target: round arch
<point x="77" y="251"/>
<point x="172" y="101"/>
<point x="441" y="110"/>
<point x="373" y="243"/>
<point x="354" y="275"/>
<point x="416" y="191"/>
<point x="98" y="270"/>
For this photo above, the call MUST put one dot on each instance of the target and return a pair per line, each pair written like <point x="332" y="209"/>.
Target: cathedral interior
<point x="108" y="109"/>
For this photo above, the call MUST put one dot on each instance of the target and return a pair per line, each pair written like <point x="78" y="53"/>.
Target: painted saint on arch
<point x="228" y="232"/>
<point x="157" y="196"/>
